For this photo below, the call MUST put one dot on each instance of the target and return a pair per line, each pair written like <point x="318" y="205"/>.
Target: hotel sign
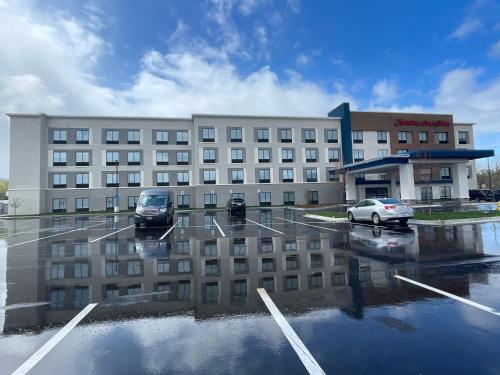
<point x="400" y="122"/>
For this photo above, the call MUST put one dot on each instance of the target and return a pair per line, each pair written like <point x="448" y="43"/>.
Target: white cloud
<point x="384" y="91"/>
<point x="466" y="28"/>
<point x="247" y="7"/>
<point x="494" y="52"/>
<point x="303" y="59"/>
<point x="294" y="5"/>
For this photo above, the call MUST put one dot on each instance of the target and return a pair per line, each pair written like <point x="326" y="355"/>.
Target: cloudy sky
<point x="174" y="58"/>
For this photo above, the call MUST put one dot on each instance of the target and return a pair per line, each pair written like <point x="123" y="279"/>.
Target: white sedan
<point x="381" y="209"/>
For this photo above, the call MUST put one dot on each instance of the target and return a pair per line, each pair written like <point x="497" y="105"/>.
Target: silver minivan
<point x="155" y="208"/>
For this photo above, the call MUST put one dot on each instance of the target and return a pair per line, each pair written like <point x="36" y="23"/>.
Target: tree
<point x="4" y="186"/>
<point x="15" y="203"/>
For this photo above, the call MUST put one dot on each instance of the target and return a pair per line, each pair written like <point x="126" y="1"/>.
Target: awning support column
<point x="350" y="188"/>
<point x="460" y="183"/>
<point x="407" y="182"/>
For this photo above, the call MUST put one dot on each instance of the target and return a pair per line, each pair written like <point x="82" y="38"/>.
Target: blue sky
<point x="174" y="58"/>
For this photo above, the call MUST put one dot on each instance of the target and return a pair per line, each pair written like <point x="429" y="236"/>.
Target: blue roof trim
<point x="394" y="159"/>
<point x="344" y="112"/>
<point x="450" y="154"/>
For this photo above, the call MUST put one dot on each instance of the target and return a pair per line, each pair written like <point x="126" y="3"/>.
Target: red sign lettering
<point x="400" y="122"/>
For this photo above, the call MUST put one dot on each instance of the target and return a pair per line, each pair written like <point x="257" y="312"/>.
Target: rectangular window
<point x="82" y="158"/>
<point x="162" y="179"/>
<point x="237" y="176"/>
<point x="60" y="136"/>
<point x="357" y="136"/>
<point x="338" y="278"/>
<point x="112" y="158"/>
<point x="425" y="193"/>
<point x="286" y="135"/>
<point x="316" y="280"/>
<point x="313" y="197"/>
<point x="316" y="260"/>
<point x="59" y="180"/>
<point x="134" y="158"/>
<point x="311" y="155"/>
<point x="209" y="155"/>
<point x="59" y="158"/>
<point x="268" y="284"/>
<point x="58" y="250"/>
<point x="161" y="158"/>
<point x="264" y="198"/>
<point x="263" y="135"/>
<point x="402" y="151"/>
<point x="134" y="137"/>
<point x="82" y="180"/>
<point x="423" y="137"/>
<point x="441" y="137"/>
<point x="182" y="178"/>
<point x="292" y="282"/>
<point x="110" y="203"/>
<point x="133" y="267"/>
<point x="236" y="155"/>
<point x="463" y="137"/>
<point x="267" y="264"/>
<point x="404" y="137"/>
<point x="240" y="288"/>
<point x="310" y="136"/>
<point x="59" y="205"/>
<point x="210" y="248"/>
<point x="239" y="247"/>
<point x="238" y="195"/>
<point x="112" y="136"/>
<point x="264" y="155"/>
<point x="112" y="179"/>
<point x="112" y="268"/>
<point x="81" y="249"/>
<point x="181" y="137"/>
<point x="290" y="245"/>
<point x="81" y="297"/>
<point x="163" y="266"/>
<point x="182" y="158"/>
<point x="162" y="137"/>
<point x="211" y="267"/>
<point x="236" y="134"/>
<point x="445" y="173"/>
<point x="57" y="271"/>
<point x="287" y="155"/>
<point x="82" y="136"/>
<point x="240" y="265"/>
<point x="132" y="201"/>
<point x="184" y="266"/>
<point x="211" y="292"/>
<point x="287" y="175"/>
<point x="333" y="155"/>
<point x="134" y="179"/>
<point x="381" y="136"/>
<point x="81" y="204"/>
<point x="382" y="152"/>
<point x="332" y="136"/>
<point x="292" y="262"/>
<point x="359" y="155"/>
<point x="264" y="176"/>
<point x="288" y="198"/>
<point x="81" y="270"/>
<point x="333" y="176"/>
<point x="209" y="177"/>
<point x="210" y="200"/>
<point x="311" y="175"/>
<point x="183" y="201"/>
<point x="208" y="134"/>
<point x="445" y="192"/>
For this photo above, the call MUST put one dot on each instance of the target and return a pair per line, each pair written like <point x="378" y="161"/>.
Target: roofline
<point x="266" y="117"/>
<point x="464" y="123"/>
<point x="406" y="113"/>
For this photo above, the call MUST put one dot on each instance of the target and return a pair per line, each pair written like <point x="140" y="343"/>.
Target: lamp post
<point x="489" y="172"/>
<point x="117" y="197"/>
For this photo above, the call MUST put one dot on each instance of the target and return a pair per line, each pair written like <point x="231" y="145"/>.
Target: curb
<point x="479" y="220"/>
<point x="325" y="218"/>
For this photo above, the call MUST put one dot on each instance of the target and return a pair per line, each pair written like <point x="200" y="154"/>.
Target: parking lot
<point x="272" y="292"/>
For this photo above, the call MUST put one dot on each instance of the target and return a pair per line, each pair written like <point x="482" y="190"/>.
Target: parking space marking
<point x="309" y="225"/>
<point x="110" y="234"/>
<point x="439" y="291"/>
<point x="169" y="230"/>
<point x="54" y="340"/>
<point x="219" y="228"/>
<point x="274" y="230"/>
<point x="304" y="355"/>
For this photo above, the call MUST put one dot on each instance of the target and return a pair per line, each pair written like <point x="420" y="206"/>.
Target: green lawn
<point x="455" y="215"/>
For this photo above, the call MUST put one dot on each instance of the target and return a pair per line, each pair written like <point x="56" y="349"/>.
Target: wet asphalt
<point x="186" y="301"/>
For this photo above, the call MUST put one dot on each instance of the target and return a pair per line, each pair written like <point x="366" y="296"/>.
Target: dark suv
<point x="236" y="206"/>
<point x="155" y="207"/>
<point x="481" y="195"/>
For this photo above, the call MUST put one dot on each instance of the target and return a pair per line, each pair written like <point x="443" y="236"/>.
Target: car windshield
<point x="238" y="200"/>
<point x="152" y="200"/>
<point x="390" y="201"/>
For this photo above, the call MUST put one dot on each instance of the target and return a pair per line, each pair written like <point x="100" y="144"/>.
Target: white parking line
<point x="54" y="340"/>
<point x="219" y="228"/>
<point x="304" y="355"/>
<point x="468" y="302"/>
<point x="274" y="230"/>
<point x="309" y="225"/>
<point x="169" y="230"/>
<point x="109" y="234"/>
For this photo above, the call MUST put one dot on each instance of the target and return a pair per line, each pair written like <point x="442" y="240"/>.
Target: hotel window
<point x="133" y="267"/>
<point x="81" y="249"/>
<point x="333" y="154"/>
<point x="445" y="192"/>
<point x="441" y="137"/>
<point x="211" y="267"/>
<point x="310" y="136"/>
<point x="425" y="193"/>
<point x="82" y="136"/>
<point x="292" y="282"/>
<point x="359" y="155"/>
<point x="82" y="180"/>
<point x="183" y="266"/>
<point x="57" y="250"/>
<point x="208" y="134"/>
<point x="316" y="260"/>
<point x="240" y="265"/>
<point x="264" y="198"/>
<point x="268" y="284"/>
<point x="264" y="155"/>
<point x="112" y="158"/>
<point x="288" y="198"/>
<point x="264" y="176"/>
<point x="236" y="134"/>
<point x="81" y="270"/>
<point x="112" y="291"/>
<point x="163" y="266"/>
<point x="134" y="179"/>
<point x="134" y="158"/>
<point x="210" y="248"/>
<point x="134" y="137"/>
<point x="112" y="136"/>
<point x="57" y="298"/>
<point x="210" y="200"/>
<point x="162" y="179"/>
<point x="287" y="175"/>
<point x="110" y="203"/>
<point x="183" y="247"/>
<point x="333" y="176"/>
<point x="240" y="288"/>
<point x="59" y="180"/>
<point x="463" y="138"/>
<point x="112" y="179"/>
<point x="239" y="247"/>
<point x="382" y="152"/>
<point x="209" y="155"/>
<point x="211" y="292"/>
<point x="381" y="136"/>
<point x="445" y="173"/>
<point x="316" y="280"/>
<point x="57" y="271"/>
<point x="267" y="264"/>
<point x="182" y="158"/>
<point x="287" y="155"/>
<point x="404" y="137"/>
<point x="338" y="279"/>
<point x="313" y="197"/>
<point x="132" y="201"/>
<point x="81" y="297"/>
<point x="209" y="177"/>
<point x="162" y="137"/>
<point x="286" y="135"/>
<point x="292" y="262"/>
<point x="59" y="158"/>
<point x="332" y="136"/>
<point x="82" y="158"/>
<point x="181" y="137"/>
<point x="161" y="158"/>
<point x="238" y="195"/>
<point x="311" y="175"/>
<point x="183" y="201"/>
<point x="423" y="137"/>
<point x="81" y="204"/>
<point x="263" y="135"/>
<point x="111" y="268"/>
<point x="59" y="205"/>
<point x="237" y="176"/>
<point x="182" y="178"/>
<point x="357" y="136"/>
<point x="60" y="136"/>
<point x="311" y="155"/>
<point x="236" y="155"/>
<point x="402" y="151"/>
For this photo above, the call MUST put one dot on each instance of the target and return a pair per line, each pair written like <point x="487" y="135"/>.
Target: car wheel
<point x="350" y="217"/>
<point x="403" y="221"/>
<point x="376" y="219"/>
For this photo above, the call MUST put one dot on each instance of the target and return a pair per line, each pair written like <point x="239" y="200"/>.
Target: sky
<point x="280" y="57"/>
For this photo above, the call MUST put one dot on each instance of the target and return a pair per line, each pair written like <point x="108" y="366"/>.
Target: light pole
<point x="489" y="172"/>
<point x="117" y="197"/>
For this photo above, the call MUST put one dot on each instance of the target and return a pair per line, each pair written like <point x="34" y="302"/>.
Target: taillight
<point x="389" y="207"/>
